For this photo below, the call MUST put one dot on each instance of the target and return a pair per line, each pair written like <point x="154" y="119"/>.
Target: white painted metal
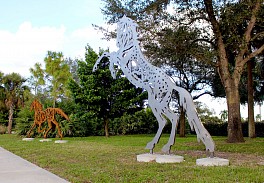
<point x="159" y="86"/>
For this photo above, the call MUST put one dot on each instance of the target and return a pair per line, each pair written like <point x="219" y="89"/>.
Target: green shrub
<point x="2" y="129"/>
<point x="142" y="122"/>
<point x="3" y="118"/>
<point x="24" y="120"/>
<point x="220" y="129"/>
<point x="216" y="129"/>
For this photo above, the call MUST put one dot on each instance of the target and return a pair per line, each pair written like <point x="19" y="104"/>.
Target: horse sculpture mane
<point x="126" y="33"/>
<point x="159" y="86"/>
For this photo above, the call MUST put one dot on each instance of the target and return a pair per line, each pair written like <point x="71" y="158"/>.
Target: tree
<point x="215" y="34"/>
<point x="14" y="91"/>
<point x="51" y="81"/>
<point x="100" y="97"/>
<point x="206" y="115"/>
<point x="224" y="115"/>
<point x="251" y="121"/>
<point x="37" y="78"/>
<point x="176" y="47"/>
<point x="247" y="88"/>
<point x="3" y="108"/>
<point x="250" y="66"/>
<point x="58" y="74"/>
<point x="2" y="92"/>
<point x="231" y="79"/>
<point x="73" y="67"/>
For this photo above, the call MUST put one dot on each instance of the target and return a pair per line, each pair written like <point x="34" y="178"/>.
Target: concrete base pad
<point x="169" y="159"/>
<point x="212" y="162"/>
<point x="28" y="139"/>
<point x="159" y="158"/>
<point x="45" y="140"/>
<point x="61" y="141"/>
<point x="146" y="157"/>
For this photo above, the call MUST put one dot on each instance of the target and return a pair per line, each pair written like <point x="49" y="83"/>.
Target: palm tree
<point x="13" y="94"/>
<point x="224" y="115"/>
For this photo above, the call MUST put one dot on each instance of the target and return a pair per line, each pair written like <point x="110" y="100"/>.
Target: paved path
<point x="14" y="169"/>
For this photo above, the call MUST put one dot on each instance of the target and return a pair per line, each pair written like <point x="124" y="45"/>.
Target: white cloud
<point x="88" y="35"/>
<point x="20" y="50"/>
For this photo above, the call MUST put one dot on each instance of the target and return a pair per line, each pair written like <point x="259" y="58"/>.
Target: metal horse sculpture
<point x="45" y="115"/>
<point x="159" y="86"/>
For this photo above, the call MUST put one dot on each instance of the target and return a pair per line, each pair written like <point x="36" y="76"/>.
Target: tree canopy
<point x="51" y="81"/>
<point x="99" y="96"/>
<point x="12" y="94"/>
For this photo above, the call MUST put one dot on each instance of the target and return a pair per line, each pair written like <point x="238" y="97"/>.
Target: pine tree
<point x="101" y="98"/>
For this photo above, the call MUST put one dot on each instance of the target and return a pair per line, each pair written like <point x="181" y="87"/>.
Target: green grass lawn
<point x="100" y="159"/>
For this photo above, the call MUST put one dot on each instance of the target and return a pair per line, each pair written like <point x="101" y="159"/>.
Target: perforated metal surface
<point x="159" y="86"/>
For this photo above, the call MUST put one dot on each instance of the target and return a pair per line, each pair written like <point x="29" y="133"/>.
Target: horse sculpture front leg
<point x="162" y="122"/>
<point x="105" y="54"/>
<point x="151" y="144"/>
<point x="112" y="63"/>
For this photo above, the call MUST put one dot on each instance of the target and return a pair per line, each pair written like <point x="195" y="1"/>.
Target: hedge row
<point x="221" y="129"/>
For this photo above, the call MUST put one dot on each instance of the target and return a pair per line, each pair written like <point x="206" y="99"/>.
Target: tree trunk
<point x="259" y="112"/>
<point x="251" y="123"/>
<point x="54" y="102"/>
<point x="10" y="119"/>
<point x="106" y="122"/>
<point x="182" y="123"/>
<point x="234" y="128"/>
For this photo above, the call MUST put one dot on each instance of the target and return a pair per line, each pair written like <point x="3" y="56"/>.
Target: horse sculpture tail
<point x="186" y="102"/>
<point x="60" y="112"/>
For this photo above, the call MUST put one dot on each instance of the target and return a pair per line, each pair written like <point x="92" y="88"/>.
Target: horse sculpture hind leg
<point x="50" y="127"/>
<point x="194" y="121"/>
<point x="50" y="113"/>
<point x="50" y="122"/>
<point x="32" y="127"/>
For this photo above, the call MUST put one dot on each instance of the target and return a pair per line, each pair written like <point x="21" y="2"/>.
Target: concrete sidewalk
<point x="14" y="169"/>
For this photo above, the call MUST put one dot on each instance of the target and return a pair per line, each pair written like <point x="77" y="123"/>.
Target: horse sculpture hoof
<point x="210" y="154"/>
<point x="150" y="146"/>
<point x="166" y="149"/>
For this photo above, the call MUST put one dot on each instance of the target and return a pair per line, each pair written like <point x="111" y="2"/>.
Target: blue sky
<point x="28" y="29"/>
<point x="70" y="13"/>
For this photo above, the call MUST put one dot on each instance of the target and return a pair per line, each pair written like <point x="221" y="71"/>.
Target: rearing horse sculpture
<point x="45" y="115"/>
<point x="159" y="86"/>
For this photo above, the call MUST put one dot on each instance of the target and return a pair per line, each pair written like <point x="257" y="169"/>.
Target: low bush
<point x="142" y="122"/>
<point x="216" y="129"/>
<point x="2" y="129"/>
<point x="220" y="129"/>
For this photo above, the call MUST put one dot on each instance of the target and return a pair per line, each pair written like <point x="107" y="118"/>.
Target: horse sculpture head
<point x="36" y="105"/>
<point x="126" y="33"/>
